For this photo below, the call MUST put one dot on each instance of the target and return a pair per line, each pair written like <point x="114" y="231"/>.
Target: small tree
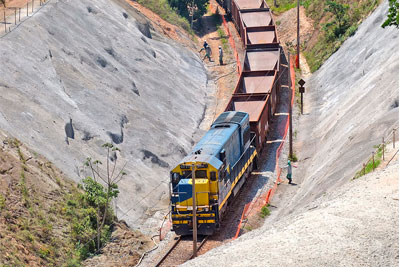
<point x="341" y="21"/>
<point x="183" y="6"/>
<point x="96" y="194"/>
<point x="393" y="14"/>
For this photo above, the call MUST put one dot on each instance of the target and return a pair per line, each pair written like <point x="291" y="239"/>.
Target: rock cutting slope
<point x="354" y="226"/>
<point x="326" y="220"/>
<point x="351" y="103"/>
<point x="94" y="63"/>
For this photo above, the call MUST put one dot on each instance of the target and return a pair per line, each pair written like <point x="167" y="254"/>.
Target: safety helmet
<point x="288" y="162"/>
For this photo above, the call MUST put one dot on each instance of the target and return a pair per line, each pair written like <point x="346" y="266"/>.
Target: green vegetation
<point x="343" y="18"/>
<point x="2" y="202"/>
<point x="371" y="165"/>
<point x="293" y="158"/>
<point x="282" y="6"/>
<point x="91" y="213"/>
<point x="248" y="228"/>
<point x="166" y="12"/>
<point x="264" y="211"/>
<point x="221" y="32"/>
<point x="336" y="20"/>
<point x="57" y="226"/>
<point x="393" y="14"/>
<point x="183" y="7"/>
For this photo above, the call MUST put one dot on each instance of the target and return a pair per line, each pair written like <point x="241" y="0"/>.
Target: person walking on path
<point x="207" y="49"/>
<point x="289" y="171"/>
<point x="221" y="55"/>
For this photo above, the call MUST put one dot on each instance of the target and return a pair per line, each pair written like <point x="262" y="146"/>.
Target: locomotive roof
<point x="208" y="148"/>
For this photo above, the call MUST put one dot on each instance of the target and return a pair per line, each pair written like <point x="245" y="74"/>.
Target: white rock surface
<point x="90" y="61"/>
<point x="355" y="226"/>
<point x="328" y="220"/>
<point x="350" y="104"/>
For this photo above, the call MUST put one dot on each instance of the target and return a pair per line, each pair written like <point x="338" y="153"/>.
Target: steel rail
<point x="169" y="252"/>
<point x="175" y="245"/>
<point x="201" y="244"/>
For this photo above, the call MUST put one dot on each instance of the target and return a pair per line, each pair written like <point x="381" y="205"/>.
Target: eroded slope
<point x="93" y="62"/>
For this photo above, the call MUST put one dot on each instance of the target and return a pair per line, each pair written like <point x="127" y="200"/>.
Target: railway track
<point x="180" y="251"/>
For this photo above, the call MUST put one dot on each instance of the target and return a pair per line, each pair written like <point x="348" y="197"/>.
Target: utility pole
<point x="298" y="35"/>
<point x="194" y="220"/>
<point x="290" y="111"/>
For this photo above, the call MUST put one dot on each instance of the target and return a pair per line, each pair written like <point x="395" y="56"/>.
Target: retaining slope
<point x="120" y="82"/>
<point x="326" y="220"/>
<point x="350" y="104"/>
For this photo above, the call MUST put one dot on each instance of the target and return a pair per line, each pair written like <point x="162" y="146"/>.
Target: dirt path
<point x="225" y="77"/>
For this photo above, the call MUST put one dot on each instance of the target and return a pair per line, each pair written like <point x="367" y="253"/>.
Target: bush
<point x="164" y="10"/>
<point x="2" y="202"/>
<point x="293" y="158"/>
<point x="264" y="212"/>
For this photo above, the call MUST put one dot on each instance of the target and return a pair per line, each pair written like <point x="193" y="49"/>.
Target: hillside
<point x="357" y="225"/>
<point x="326" y="219"/>
<point x="101" y="65"/>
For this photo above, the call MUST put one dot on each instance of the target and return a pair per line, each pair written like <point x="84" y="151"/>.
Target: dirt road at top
<point x="224" y="76"/>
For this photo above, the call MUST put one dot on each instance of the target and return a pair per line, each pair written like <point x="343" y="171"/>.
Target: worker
<point x="206" y="49"/>
<point x="221" y="55"/>
<point x="205" y="44"/>
<point x="289" y="171"/>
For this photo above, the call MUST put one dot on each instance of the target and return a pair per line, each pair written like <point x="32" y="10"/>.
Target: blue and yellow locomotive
<point x="222" y="159"/>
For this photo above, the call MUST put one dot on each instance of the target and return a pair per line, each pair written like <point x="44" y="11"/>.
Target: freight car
<point x="222" y="160"/>
<point x="228" y="152"/>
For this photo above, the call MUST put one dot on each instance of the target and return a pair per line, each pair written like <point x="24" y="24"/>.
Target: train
<point x="227" y="154"/>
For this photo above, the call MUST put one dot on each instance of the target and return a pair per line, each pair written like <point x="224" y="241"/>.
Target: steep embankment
<point x="350" y="104"/>
<point x="104" y="68"/>
<point x="44" y="220"/>
<point x="326" y="219"/>
<point x="355" y="226"/>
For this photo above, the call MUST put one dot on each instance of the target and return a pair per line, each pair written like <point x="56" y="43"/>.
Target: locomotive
<point x="222" y="159"/>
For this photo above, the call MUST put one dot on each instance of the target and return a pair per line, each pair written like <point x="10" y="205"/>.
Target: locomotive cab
<point x="221" y="161"/>
<point x="206" y="179"/>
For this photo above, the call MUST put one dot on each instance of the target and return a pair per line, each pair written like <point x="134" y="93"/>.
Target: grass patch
<point x="371" y="165"/>
<point x="264" y="211"/>
<point x="223" y="38"/>
<point x="293" y="158"/>
<point x="2" y="202"/>
<point x="221" y="32"/>
<point x="167" y="13"/>
<point x="329" y="38"/>
<point x="283" y="5"/>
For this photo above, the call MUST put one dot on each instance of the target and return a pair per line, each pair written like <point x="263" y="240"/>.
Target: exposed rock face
<point x="118" y="81"/>
<point x="327" y="219"/>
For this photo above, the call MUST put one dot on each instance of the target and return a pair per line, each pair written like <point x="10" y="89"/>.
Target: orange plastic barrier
<point x="246" y="207"/>
<point x="232" y="42"/>
<point x="278" y="152"/>
<point x="272" y="190"/>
